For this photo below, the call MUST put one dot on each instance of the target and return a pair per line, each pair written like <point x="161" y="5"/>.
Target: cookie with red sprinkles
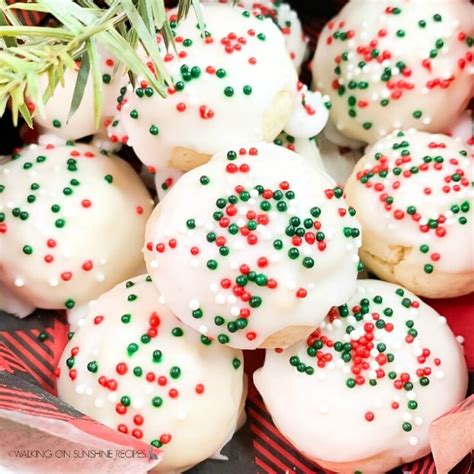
<point x="284" y="17"/>
<point x="396" y="64"/>
<point x="253" y="248"/>
<point x="413" y="193"/>
<point x="361" y="392"/>
<point x="73" y="221"/>
<point x="135" y="367"/>
<point x="232" y="82"/>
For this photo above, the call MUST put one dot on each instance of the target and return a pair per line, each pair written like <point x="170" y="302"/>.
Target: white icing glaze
<point x="180" y="257"/>
<point x="463" y="129"/>
<point x="426" y="191"/>
<point x="53" y="120"/>
<point x="285" y="17"/>
<point x="309" y="115"/>
<point x="11" y="303"/>
<point x="326" y="420"/>
<point x="165" y="179"/>
<point x="305" y="147"/>
<point x="67" y="232"/>
<point x="188" y="391"/>
<point x="195" y="117"/>
<point x="428" y="93"/>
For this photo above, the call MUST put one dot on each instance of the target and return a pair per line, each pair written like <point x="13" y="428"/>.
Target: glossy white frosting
<point x="432" y="192"/>
<point x="180" y="256"/>
<point x="73" y="221"/>
<point x="327" y="420"/>
<point x="135" y="367"/>
<point x="211" y="111"/>
<point x="394" y="64"/>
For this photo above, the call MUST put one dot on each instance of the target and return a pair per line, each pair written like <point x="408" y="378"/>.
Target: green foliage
<point x="121" y="27"/>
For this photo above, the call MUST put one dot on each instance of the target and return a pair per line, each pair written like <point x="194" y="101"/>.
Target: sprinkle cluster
<point x="36" y="225"/>
<point x="257" y="225"/>
<point x="370" y="337"/>
<point x="373" y="67"/>
<point x="216" y="76"/>
<point x="285" y="18"/>
<point x="390" y="173"/>
<point x="140" y="379"/>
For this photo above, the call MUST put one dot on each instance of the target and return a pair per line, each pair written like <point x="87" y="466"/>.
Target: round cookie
<point x="238" y="84"/>
<point x="135" y="367"/>
<point x="413" y="194"/>
<point x="53" y="120"/>
<point x="285" y="18"/>
<point x="72" y="223"/>
<point x="388" y="66"/>
<point x="371" y="379"/>
<point x="254" y="247"/>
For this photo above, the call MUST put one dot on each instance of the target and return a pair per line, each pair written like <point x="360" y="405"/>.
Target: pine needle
<point x="122" y="27"/>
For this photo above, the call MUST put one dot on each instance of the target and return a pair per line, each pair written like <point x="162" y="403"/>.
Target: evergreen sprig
<point x="119" y="26"/>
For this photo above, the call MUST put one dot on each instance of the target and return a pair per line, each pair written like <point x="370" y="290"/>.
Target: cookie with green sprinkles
<point x="72" y="222"/>
<point x="390" y="65"/>
<point x="135" y="367"/>
<point x="233" y="80"/>
<point x="55" y="121"/>
<point x="413" y="192"/>
<point x="375" y="373"/>
<point x="254" y="247"/>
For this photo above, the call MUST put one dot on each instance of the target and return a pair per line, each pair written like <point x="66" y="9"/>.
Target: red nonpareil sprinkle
<point x="150" y="377"/>
<point x="173" y="393"/>
<point x="121" y="368"/>
<point x="205" y="112"/>
<point x="122" y="428"/>
<point x="136" y="433"/>
<point x="98" y="319"/>
<point x="199" y="388"/>
<point x="138" y="420"/>
<point x="301" y="293"/>
<point x="120" y="409"/>
<point x="369" y="416"/>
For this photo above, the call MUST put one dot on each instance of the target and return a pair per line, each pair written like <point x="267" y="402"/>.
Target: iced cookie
<point x="361" y="392"/>
<point x="233" y="82"/>
<point x="413" y="195"/>
<point x="135" y="367"/>
<point x="392" y="65"/>
<point x="253" y="248"/>
<point x="72" y="223"/>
